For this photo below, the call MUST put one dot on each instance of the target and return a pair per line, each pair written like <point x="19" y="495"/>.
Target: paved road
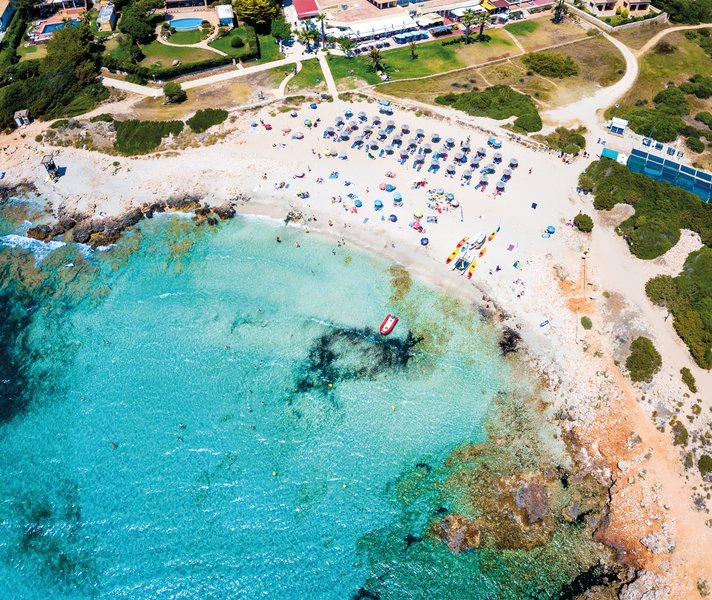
<point x="328" y="77"/>
<point x="134" y="88"/>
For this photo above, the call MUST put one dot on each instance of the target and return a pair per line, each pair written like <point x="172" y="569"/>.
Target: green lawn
<point x="160" y="53"/>
<point x="31" y="52"/>
<point x="430" y="58"/>
<point x="269" y="49"/>
<point x="522" y="27"/>
<point x="186" y="37"/>
<point x="246" y="34"/>
<point x="311" y="76"/>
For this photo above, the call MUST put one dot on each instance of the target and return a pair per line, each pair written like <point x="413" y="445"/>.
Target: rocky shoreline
<point x="87" y="229"/>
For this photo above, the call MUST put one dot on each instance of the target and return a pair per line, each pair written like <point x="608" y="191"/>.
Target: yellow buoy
<point x="274" y="473"/>
<point x="331" y="385"/>
<point x="344" y="486"/>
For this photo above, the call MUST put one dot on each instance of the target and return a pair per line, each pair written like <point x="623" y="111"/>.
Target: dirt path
<point x="658" y="36"/>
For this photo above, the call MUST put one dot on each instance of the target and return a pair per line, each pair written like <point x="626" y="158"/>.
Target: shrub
<point x="140" y="137"/>
<point x="586" y="323"/>
<point x="206" y="118"/>
<point x="704" y="117"/>
<point x="661" y="290"/>
<point x="704" y="465"/>
<point x="551" y="64"/>
<point x="104" y="117"/>
<point x="699" y="85"/>
<point x="237" y="42"/>
<point x="644" y="360"/>
<point x="174" y="92"/>
<point x="583" y="222"/>
<point x="672" y="99"/>
<point x="497" y="102"/>
<point x="664" y="48"/>
<point x="570" y="141"/>
<point x="695" y="144"/>
<point x="679" y="432"/>
<point x="688" y="379"/>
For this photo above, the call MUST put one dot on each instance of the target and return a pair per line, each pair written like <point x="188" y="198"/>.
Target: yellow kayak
<point x="471" y="269"/>
<point x="482" y="252"/>
<point x="490" y="237"/>
<point x="457" y="249"/>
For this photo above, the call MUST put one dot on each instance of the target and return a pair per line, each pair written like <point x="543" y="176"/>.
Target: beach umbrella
<point x="382" y="134"/>
<point x="392" y="218"/>
<point x="405" y="128"/>
<point x="419" y="133"/>
<point x="435" y="138"/>
<point x="427" y="148"/>
<point x="500" y="186"/>
<point x="418" y="214"/>
<point x="286" y="129"/>
<point x="441" y="191"/>
<point x="390" y="187"/>
<point x="307" y="122"/>
<point x="450" y="142"/>
<point x="460" y="157"/>
<point x="377" y="204"/>
<point x="513" y="163"/>
<point x="551" y="229"/>
<point x="397" y="197"/>
<point x="353" y="124"/>
<point x="481" y="151"/>
<point x="434" y="163"/>
<point x="397" y="140"/>
<point x="450" y="169"/>
<point x="299" y="135"/>
<point x="412" y="143"/>
<point x="454" y="204"/>
<point x="506" y="174"/>
<point x="381" y="186"/>
<point x="390" y="123"/>
<point x="467" y="173"/>
<point x="465" y="148"/>
<point x="424" y="241"/>
<point x="415" y="182"/>
<point x="497" y="157"/>
<point x="339" y="120"/>
<point x="374" y="146"/>
<point x="362" y="116"/>
<point x="475" y="164"/>
<point x="253" y="123"/>
<point x="344" y="135"/>
<point x="329" y="130"/>
<point x="313" y="105"/>
<point x="489" y="168"/>
<point x="403" y="154"/>
<point x="449" y="197"/>
<point x="421" y="160"/>
<point x="376" y="120"/>
<point x="484" y="179"/>
<point x="358" y="203"/>
<point x="348" y="113"/>
<point x="388" y="150"/>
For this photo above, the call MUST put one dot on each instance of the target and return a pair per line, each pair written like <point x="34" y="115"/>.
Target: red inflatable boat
<point x="388" y="324"/>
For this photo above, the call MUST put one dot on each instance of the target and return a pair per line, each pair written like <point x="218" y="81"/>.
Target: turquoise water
<point x="51" y="27"/>
<point x="185" y="24"/>
<point x="207" y="413"/>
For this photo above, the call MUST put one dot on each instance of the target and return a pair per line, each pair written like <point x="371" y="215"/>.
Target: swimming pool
<point x="50" y="27"/>
<point x="186" y="24"/>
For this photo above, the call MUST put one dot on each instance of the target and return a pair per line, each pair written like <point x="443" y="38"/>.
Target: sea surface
<point x="203" y="412"/>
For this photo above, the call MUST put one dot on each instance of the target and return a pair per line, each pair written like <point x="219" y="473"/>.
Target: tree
<point x="258" y="13"/>
<point x="280" y="29"/>
<point x="644" y="360"/>
<point x="137" y="20"/>
<point x="174" y="92"/>
<point x="468" y="19"/>
<point x="662" y="290"/>
<point x="346" y="45"/>
<point x="304" y="37"/>
<point x="321" y="17"/>
<point x="73" y="49"/>
<point x="583" y="222"/>
<point x="482" y="20"/>
<point x="411" y="47"/>
<point x="376" y="58"/>
<point x="560" y="11"/>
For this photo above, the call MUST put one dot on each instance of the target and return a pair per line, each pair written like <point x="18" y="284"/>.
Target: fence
<point x="661" y="18"/>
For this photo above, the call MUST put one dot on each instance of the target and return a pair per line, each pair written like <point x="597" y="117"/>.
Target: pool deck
<point x="204" y="15"/>
<point x="38" y="37"/>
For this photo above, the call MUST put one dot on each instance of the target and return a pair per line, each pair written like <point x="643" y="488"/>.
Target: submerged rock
<point x="533" y="499"/>
<point x="458" y="532"/>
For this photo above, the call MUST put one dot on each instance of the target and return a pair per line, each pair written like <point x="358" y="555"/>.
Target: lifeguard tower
<point x="51" y="167"/>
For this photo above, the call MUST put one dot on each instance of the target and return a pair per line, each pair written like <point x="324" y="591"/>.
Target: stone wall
<point x="661" y="18"/>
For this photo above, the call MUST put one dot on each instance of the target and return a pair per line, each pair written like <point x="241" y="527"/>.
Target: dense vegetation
<point x="551" y="64"/>
<point x="687" y="11"/>
<point x="586" y="323"/>
<point x="569" y="141"/>
<point x="661" y="209"/>
<point x="206" y="118"/>
<point x="705" y="465"/>
<point x="140" y="137"/>
<point x="688" y="297"/>
<point x="583" y="222"/>
<point x="62" y="84"/>
<point x="644" y="360"/>
<point x="258" y="13"/>
<point x="688" y="379"/>
<point x="497" y="102"/>
<point x="11" y="40"/>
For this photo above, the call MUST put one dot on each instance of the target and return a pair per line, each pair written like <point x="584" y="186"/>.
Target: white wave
<point x="39" y="248"/>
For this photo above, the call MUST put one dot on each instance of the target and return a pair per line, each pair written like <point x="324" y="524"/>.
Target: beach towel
<point x="510" y="247"/>
<point x="534" y="205"/>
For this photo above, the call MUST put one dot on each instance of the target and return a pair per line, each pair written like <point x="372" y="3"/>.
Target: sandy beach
<point x="538" y="286"/>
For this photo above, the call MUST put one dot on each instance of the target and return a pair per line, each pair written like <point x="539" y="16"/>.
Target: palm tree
<point x="559" y="11"/>
<point x="482" y="20"/>
<point x="376" y="58"/>
<point x="468" y="19"/>
<point x="321" y="17"/>
<point x="346" y="45"/>
<point x="304" y="37"/>
<point x="411" y="46"/>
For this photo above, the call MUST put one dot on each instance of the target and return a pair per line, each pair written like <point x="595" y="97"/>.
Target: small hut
<point x="22" y="117"/>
